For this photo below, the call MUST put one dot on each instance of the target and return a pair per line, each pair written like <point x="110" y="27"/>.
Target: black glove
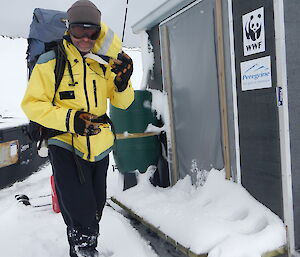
<point x="83" y="124"/>
<point x="123" y="67"/>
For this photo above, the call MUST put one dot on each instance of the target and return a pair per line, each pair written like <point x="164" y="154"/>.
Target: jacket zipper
<point x="88" y="107"/>
<point x="95" y="93"/>
<point x="85" y="88"/>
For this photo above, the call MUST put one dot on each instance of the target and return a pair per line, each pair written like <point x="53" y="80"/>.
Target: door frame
<point x="285" y="150"/>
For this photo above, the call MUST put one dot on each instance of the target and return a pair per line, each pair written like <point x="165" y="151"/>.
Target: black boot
<point x="73" y="252"/>
<point x="83" y="252"/>
<point x="83" y="242"/>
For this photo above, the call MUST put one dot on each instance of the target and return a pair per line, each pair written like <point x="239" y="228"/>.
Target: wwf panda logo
<point x="253" y="27"/>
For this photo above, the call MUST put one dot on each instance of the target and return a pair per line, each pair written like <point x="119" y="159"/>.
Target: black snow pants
<point x="81" y="205"/>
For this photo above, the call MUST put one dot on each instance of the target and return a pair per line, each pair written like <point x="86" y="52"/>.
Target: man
<point x="79" y="154"/>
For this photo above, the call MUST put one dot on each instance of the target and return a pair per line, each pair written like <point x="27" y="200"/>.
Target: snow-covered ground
<point x="39" y="232"/>
<point x="220" y="218"/>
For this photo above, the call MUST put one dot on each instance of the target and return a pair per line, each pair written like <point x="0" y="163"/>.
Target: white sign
<point x="13" y="149"/>
<point x="254" y="32"/>
<point x="256" y="74"/>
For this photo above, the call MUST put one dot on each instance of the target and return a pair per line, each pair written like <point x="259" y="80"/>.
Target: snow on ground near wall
<point x="36" y="232"/>
<point x="221" y="218"/>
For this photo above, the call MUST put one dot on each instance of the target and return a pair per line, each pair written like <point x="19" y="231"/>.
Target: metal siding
<point x="258" y="117"/>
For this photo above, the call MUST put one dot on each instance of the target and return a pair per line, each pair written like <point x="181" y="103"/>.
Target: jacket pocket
<point x="66" y="95"/>
<point x="95" y="93"/>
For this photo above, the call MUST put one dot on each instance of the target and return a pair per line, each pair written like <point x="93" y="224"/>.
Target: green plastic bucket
<point x="135" y="153"/>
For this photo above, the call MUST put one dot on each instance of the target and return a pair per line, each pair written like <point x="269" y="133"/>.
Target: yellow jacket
<point x="89" y="93"/>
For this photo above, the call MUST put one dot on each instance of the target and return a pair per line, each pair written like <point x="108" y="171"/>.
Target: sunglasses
<point x="79" y="31"/>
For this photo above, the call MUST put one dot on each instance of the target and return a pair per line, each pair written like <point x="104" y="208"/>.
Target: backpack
<point x="46" y="32"/>
<point x="46" y="29"/>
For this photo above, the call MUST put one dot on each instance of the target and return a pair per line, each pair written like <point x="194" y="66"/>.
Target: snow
<point x="159" y="105"/>
<point x="36" y="232"/>
<point x="220" y="218"/>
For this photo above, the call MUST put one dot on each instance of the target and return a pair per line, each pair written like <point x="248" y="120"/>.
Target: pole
<point x="125" y="18"/>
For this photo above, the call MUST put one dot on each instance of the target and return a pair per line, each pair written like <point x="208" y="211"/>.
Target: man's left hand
<point x="123" y="67"/>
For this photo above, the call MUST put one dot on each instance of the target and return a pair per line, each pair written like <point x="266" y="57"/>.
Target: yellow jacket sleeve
<point x="122" y="99"/>
<point x="108" y="38"/>
<point x="37" y="102"/>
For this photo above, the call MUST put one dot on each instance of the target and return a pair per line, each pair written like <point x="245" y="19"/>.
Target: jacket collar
<point x="72" y="52"/>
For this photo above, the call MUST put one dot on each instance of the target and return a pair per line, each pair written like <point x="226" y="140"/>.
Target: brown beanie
<point x="84" y="11"/>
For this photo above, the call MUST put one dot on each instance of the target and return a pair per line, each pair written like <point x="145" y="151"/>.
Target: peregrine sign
<point x="254" y="32"/>
<point x="256" y="74"/>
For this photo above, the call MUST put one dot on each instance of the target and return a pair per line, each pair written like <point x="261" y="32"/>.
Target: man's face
<point x="84" y="36"/>
<point x="84" y="45"/>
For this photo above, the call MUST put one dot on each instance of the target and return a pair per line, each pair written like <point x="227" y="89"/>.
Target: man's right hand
<point x="83" y="124"/>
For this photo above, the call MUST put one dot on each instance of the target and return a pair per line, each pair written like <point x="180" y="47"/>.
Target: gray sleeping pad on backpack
<point x="48" y="25"/>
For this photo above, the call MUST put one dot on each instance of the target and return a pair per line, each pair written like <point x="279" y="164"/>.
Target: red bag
<point x="55" y="205"/>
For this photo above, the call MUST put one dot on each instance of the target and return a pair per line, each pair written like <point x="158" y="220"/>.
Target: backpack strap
<point x="61" y="49"/>
<point x="60" y="64"/>
<point x="59" y="69"/>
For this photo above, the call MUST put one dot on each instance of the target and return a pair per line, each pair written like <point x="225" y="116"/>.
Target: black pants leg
<point x="81" y="204"/>
<point x="99" y="185"/>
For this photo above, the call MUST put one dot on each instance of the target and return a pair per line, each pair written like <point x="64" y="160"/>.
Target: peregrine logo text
<point x="256" y="74"/>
